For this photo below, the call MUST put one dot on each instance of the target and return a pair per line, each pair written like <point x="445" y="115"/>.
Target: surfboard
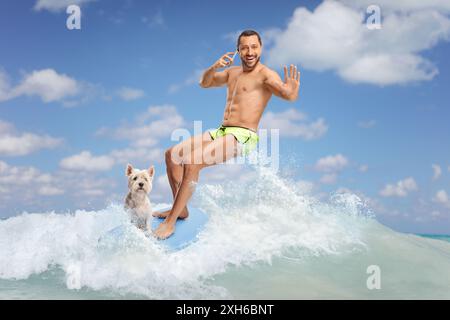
<point x="186" y="230"/>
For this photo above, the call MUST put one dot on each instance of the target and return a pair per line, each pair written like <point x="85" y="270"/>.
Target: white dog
<point x="137" y="202"/>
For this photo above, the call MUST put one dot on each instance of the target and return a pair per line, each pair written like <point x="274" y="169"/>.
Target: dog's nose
<point x="141" y="184"/>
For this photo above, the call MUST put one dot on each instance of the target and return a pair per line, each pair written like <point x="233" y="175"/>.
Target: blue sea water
<point x="277" y="242"/>
<point x="442" y="237"/>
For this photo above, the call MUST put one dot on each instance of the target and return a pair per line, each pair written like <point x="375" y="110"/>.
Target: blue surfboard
<point x="186" y="230"/>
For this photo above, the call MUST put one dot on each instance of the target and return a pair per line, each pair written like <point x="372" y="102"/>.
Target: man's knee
<point x="171" y="156"/>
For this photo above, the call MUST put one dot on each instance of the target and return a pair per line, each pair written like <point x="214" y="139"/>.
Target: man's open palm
<point x="292" y="80"/>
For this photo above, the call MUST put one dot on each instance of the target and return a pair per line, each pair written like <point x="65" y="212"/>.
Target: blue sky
<point x="372" y="117"/>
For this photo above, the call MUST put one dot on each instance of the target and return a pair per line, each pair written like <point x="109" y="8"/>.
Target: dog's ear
<point x="129" y="170"/>
<point x="151" y="171"/>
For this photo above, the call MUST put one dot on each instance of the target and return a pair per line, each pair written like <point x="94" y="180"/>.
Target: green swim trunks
<point x="247" y="138"/>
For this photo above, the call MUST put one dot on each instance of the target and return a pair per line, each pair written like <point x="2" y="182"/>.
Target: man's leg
<point x="174" y="167"/>
<point x="215" y="152"/>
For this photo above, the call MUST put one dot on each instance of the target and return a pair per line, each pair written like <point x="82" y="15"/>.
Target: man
<point x="249" y="88"/>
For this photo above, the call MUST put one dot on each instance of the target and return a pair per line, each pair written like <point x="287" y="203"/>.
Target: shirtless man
<point x="249" y="89"/>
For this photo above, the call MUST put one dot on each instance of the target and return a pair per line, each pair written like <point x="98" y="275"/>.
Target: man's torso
<point x="247" y="97"/>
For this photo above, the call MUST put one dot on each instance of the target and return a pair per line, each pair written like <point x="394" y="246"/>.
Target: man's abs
<point x="242" y="116"/>
<point x="245" y="103"/>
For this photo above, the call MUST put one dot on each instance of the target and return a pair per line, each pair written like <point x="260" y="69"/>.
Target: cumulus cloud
<point x="144" y="134"/>
<point x="30" y="187"/>
<point x="401" y="189"/>
<point x="329" y="178"/>
<point x="437" y="171"/>
<point x="157" y="20"/>
<point x="88" y="184"/>
<point x="85" y="161"/>
<point x="148" y="128"/>
<point x="334" y="37"/>
<point x="442" y="198"/>
<point x="331" y="166"/>
<point x="402" y="5"/>
<point x="24" y="182"/>
<point x="363" y="168"/>
<point x="57" y="5"/>
<point x="293" y="123"/>
<point x="129" y="94"/>
<point x="139" y="155"/>
<point x="267" y="35"/>
<point x="47" y="84"/>
<point x="50" y="191"/>
<point x="331" y="163"/>
<point x="13" y="143"/>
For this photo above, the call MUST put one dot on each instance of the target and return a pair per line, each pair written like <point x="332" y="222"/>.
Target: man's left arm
<point x="289" y="88"/>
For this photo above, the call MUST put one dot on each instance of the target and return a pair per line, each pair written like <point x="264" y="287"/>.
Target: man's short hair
<point x="248" y="33"/>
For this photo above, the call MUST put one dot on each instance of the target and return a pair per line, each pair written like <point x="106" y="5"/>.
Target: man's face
<point x="250" y="51"/>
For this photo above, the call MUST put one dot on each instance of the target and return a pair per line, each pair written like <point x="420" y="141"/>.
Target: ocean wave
<point x="263" y="229"/>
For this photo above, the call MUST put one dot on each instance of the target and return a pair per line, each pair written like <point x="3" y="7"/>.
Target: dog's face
<point x="140" y="180"/>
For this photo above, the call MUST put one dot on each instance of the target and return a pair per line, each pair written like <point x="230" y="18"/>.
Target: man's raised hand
<point x="292" y="80"/>
<point x="223" y="62"/>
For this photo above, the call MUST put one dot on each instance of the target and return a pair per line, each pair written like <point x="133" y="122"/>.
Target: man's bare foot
<point x="183" y="215"/>
<point x="164" y="230"/>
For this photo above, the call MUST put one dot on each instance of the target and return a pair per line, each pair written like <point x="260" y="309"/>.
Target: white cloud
<point x="292" y="123"/>
<point x="92" y="192"/>
<point x="144" y="135"/>
<point x="194" y="78"/>
<point x="267" y="36"/>
<point x="387" y="69"/>
<point x="334" y="37"/>
<point x="85" y="161"/>
<point x="24" y="182"/>
<point x="157" y="20"/>
<point x="442" y="198"/>
<point x="137" y="155"/>
<point x="401" y="189"/>
<point x="331" y="163"/>
<point x="57" y="5"/>
<point x="87" y="184"/>
<point x="46" y="83"/>
<point x="437" y="171"/>
<point x="363" y="168"/>
<point x="128" y="94"/>
<point x="329" y="178"/>
<point x="156" y="123"/>
<point x="366" y="124"/>
<point x="22" y="186"/>
<point x="6" y="127"/>
<point x="50" y="191"/>
<point x="402" y="5"/>
<point x="20" y="144"/>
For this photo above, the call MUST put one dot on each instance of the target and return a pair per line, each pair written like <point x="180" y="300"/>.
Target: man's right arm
<point x="211" y="78"/>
